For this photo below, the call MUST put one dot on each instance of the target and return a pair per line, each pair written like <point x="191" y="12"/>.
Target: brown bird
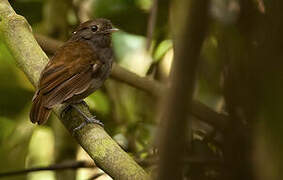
<point x="77" y="69"/>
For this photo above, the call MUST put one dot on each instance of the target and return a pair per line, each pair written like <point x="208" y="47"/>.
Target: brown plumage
<point x="77" y="69"/>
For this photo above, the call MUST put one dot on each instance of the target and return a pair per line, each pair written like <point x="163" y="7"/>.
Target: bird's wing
<point x="63" y="79"/>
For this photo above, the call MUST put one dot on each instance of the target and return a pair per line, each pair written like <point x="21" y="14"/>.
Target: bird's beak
<point x="113" y="30"/>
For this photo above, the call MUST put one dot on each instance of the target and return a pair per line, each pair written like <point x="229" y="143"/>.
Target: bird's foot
<point x="88" y="120"/>
<point x="94" y="121"/>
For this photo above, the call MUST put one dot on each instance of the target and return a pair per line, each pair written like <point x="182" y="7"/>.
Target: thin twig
<point x="96" y="176"/>
<point x="151" y="23"/>
<point x="53" y="167"/>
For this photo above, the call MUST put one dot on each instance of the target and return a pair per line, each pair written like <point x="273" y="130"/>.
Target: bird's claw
<point x="88" y="121"/>
<point x="79" y="127"/>
<point x="94" y="121"/>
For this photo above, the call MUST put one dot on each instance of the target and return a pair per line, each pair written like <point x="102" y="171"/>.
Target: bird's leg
<point x="65" y="110"/>
<point x="86" y="118"/>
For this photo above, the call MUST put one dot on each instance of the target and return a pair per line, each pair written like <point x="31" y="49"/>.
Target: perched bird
<point x="77" y="69"/>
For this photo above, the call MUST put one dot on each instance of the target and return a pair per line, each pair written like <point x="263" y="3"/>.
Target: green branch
<point x="106" y="153"/>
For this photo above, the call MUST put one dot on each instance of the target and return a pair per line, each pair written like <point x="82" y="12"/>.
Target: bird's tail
<point x="39" y="114"/>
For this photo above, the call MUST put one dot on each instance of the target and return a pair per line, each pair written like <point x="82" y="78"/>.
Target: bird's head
<point x="94" y="29"/>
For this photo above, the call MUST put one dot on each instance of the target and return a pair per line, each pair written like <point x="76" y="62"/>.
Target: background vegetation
<point x="231" y="129"/>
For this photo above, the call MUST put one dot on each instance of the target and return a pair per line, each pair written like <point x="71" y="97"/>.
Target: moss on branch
<point x="106" y="153"/>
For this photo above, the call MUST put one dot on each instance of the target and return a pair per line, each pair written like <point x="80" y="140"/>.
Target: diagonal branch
<point x="106" y="153"/>
<point x="155" y="88"/>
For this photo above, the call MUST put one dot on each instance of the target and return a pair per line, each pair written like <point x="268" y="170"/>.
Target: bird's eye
<point x="94" y="28"/>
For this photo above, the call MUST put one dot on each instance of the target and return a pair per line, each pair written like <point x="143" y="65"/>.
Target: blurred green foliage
<point x="120" y="107"/>
<point x="124" y="13"/>
<point x="240" y="63"/>
<point x="129" y="114"/>
<point x="31" y="9"/>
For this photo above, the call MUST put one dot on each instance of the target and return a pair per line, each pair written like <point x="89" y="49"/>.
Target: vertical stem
<point x="151" y="23"/>
<point x="188" y="41"/>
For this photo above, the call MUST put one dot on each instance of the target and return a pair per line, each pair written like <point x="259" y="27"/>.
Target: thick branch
<point x="155" y="88"/>
<point x="31" y="59"/>
<point x="189" y="36"/>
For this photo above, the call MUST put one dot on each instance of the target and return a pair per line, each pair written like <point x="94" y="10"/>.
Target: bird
<point x="76" y="70"/>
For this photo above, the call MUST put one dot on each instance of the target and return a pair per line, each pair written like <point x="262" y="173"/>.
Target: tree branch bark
<point x="106" y="153"/>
